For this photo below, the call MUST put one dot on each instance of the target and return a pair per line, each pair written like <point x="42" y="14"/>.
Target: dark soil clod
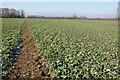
<point x="43" y="74"/>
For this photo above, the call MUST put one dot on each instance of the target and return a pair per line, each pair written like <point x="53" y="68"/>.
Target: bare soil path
<point x="29" y="64"/>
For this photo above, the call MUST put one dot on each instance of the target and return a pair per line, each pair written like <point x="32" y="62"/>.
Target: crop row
<point x="10" y="41"/>
<point x="78" y="48"/>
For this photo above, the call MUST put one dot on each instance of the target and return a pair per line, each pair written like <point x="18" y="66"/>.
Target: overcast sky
<point x="88" y="9"/>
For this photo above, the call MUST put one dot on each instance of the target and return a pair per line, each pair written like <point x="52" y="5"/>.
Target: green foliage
<point x="78" y="48"/>
<point x="10" y="37"/>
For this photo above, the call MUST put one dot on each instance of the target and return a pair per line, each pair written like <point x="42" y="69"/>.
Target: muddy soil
<point x="30" y="63"/>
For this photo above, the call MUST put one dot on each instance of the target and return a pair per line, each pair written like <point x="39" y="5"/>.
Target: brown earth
<point x="29" y="63"/>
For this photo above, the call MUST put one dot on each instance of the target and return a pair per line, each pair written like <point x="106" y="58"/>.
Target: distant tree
<point x="0" y="12"/>
<point x="22" y="13"/>
<point x="11" y="13"/>
<point x="5" y="12"/>
<point x="18" y="14"/>
<point x="83" y="17"/>
<point x="35" y="16"/>
<point x="74" y="16"/>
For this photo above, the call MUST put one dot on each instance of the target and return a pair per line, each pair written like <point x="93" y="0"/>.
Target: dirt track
<point x="29" y="64"/>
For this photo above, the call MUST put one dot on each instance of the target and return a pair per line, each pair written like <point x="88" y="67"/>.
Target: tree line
<point x="11" y="13"/>
<point x="48" y="17"/>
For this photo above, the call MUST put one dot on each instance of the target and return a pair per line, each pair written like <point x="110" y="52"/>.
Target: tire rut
<point x="30" y="63"/>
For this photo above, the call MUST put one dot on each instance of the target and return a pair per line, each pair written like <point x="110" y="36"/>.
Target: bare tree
<point x="11" y="13"/>
<point x="5" y="12"/>
<point x="22" y="13"/>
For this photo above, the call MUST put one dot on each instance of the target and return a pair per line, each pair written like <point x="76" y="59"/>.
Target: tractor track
<point x="30" y="63"/>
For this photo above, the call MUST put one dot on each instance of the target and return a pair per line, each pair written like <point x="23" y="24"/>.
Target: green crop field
<point x="78" y="48"/>
<point x="71" y="48"/>
<point x="10" y="37"/>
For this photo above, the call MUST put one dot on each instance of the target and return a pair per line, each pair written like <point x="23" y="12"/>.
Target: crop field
<point x="10" y="41"/>
<point x="78" y="48"/>
<point x="71" y="48"/>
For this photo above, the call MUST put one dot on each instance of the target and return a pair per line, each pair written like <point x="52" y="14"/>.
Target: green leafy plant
<point x="78" y="48"/>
